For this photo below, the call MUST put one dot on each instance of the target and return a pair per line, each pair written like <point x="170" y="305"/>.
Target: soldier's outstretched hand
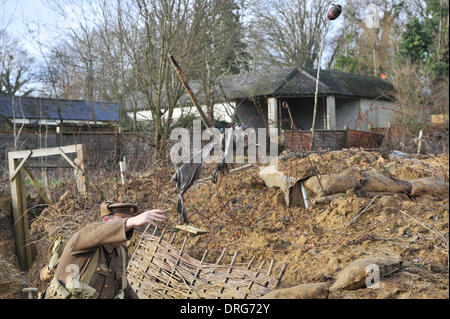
<point x="147" y="217"/>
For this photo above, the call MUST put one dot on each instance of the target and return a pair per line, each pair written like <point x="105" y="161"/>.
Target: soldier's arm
<point x="99" y="234"/>
<point x="129" y="292"/>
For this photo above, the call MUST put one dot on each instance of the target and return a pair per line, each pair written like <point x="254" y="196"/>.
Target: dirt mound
<point x="242" y="214"/>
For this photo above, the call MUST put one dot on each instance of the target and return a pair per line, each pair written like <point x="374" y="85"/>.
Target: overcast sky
<point x="26" y="19"/>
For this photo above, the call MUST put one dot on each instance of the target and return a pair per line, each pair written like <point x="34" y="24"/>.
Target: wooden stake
<point x="420" y="142"/>
<point x="20" y="216"/>
<point x="283" y="269"/>
<point x="81" y="174"/>
<point x="46" y="182"/>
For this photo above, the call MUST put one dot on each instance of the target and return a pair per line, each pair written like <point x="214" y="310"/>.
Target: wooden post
<point x="420" y="142"/>
<point x="389" y="134"/>
<point x="46" y="182"/>
<point x="272" y="106"/>
<point x="20" y="216"/>
<point x="122" y="171"/>
<point x="346" y="135"/>
<point x="81" y="175"/>
<point x="331" y="113"/>
<point x="59" y="132"/>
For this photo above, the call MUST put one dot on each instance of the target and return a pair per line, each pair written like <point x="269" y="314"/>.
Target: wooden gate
<point x="17" y="161"/>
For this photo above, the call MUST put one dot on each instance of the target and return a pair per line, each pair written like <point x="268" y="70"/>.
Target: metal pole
<point x="317" y="88"/>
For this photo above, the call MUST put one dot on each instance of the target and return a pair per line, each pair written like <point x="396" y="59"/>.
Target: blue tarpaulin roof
<point x="71" y="110"/>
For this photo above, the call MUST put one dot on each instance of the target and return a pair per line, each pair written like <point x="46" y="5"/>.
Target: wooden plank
<point x="44" y="151"/>
<point x="46" y="182"/>
<point x="192" y="229"/>
<point x="20" y="165"/>
<point x="36" y="185"/>
<point x="67" y="158"/>
<point x="48" y="165"/>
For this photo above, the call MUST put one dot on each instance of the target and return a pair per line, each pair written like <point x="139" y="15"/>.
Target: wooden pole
<point x="19" y="205"/>
<point x="420" y="142"/>
<point x="81" y="175"/>
<point x="46" y="182"/>
<point x="189" y="90"/>
<point x="122" y="171"/>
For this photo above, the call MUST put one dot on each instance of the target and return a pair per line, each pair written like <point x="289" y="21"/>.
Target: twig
<point x="431" y="230"/>
<point x="357" y="216"/>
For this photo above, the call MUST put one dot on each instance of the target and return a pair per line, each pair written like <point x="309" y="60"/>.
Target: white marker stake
<point x="420" y="142"/>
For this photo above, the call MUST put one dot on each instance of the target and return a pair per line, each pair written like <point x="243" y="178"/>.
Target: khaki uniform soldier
<point x="94" y="260"/>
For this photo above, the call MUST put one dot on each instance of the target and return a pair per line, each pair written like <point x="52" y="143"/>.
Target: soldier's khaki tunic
<point x="107" y="278"/>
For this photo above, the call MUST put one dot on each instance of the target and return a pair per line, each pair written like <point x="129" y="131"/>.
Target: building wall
<point x="347" y="111"/>
<point x="359" y="113"/>
<point x="222" y="112"/>
<point x="377" y="113"/>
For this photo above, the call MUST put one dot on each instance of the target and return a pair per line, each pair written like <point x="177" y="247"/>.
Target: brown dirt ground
<point x="11" y="277"/>
<point x="242" y="214"/>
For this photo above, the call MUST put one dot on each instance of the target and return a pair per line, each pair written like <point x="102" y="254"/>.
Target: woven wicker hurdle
<point x="159" y="270"/>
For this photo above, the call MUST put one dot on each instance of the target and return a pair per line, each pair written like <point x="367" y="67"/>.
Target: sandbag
<point x="305" y="291"/>
<point x="327" y="199"/>
<point x="354" y="275"/>
<point x="350" y="178"/>
<point x="428" y="185"/>
<point x="377" y="182"/>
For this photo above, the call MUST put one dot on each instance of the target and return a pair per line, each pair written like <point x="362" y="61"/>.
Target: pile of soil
<point x="242" y="214"/>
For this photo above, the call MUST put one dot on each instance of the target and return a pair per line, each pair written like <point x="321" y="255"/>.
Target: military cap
<point x="125" y="209"/>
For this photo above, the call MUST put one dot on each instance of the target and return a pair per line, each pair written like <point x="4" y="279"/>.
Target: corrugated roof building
<point x="31" y="110"/>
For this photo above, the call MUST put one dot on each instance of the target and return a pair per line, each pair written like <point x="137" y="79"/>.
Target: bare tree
<point x="15" y="67"/>
<point x="288" y="33"/>
<point x="121" y="51"/>
<point x="374" y="45"/>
